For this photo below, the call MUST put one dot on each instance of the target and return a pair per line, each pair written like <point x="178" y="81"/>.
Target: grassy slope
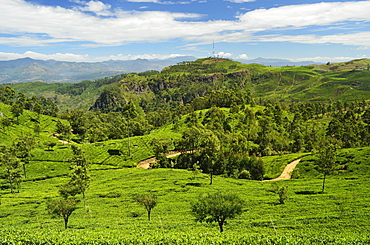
<point x="26" y="126"/>
<point x="352" y="163"/>
<point x="113" y="215"/>
<point x="64" y="101"/>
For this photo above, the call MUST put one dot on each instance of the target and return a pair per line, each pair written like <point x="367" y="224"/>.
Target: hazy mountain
<point x="278" y="62"/>
<point x="51" y="71"/>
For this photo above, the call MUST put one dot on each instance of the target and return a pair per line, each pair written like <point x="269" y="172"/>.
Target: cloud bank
<point x="82" y="58"/>
<point x="94" y="23"/>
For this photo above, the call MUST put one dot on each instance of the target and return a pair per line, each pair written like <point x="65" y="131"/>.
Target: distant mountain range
<point x="278" y="62"/>
<point x="51" y="71"/>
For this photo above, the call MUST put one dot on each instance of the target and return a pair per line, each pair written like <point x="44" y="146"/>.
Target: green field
<point x="340" y="216"/>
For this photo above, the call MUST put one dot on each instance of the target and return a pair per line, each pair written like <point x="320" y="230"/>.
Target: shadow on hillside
<point x="194" y="184"/>
<point x="307" y="192"/>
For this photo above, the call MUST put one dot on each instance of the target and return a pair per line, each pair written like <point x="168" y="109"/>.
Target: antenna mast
<point x="213" y="49"/>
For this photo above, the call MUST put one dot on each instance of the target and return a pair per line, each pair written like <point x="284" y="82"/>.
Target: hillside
<point x="114" y="217"/>
<point x="181" y="84"/>
<point x="231" y="126"/>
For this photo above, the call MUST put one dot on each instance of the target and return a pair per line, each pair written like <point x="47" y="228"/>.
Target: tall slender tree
<point x="22" y="149"/>
<point x="326" y="159"/>
<point x="12" y="166"/>
<point x="80" y="177"/>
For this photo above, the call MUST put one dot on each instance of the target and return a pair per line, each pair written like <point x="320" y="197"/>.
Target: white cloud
<point x="240" y="1"/>
<point x="139" y="56"/>
<point x="96" y="7"/>
<point x="243" y="57"/>
<point x="357" y="39"/>
<point x="30" y="40"/>
<point x="155" y="1"/>
<point x="144" y="1"/>
<point x="362" y="48"/>
<point x="304" y="15"/>
<point x="35" y="25"/>
<point x="38" y="56"/>
<point x="223" y="54"/>
<point x="72" y="25"/>
<point x="83" y="58"/>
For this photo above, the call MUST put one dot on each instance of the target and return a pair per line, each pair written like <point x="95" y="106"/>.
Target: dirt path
<point x="286" y="174"/>
<point x="62" y="141"/>
<point x="146" y="163"/>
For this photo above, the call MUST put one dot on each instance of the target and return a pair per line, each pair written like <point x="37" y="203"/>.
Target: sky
<point x="100" y="30"/>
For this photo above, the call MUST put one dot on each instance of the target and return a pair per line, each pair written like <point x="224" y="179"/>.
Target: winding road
<point x="146" y="163"/>
<point x="286" y="174"/>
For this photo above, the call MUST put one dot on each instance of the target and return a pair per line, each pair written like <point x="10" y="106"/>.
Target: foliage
<point x="80" y="178"/>
<point x="282" y="191"/>
<point x="50" y="145"/>
<point x="245" y="175"/>
<point x="217" y="207"/>
<point x="22" y="149"/>
<point x="63" y="208"/>
<point x="326" y="162"/>
<point x="12" y="166"/>
<point x="149" y="201"/>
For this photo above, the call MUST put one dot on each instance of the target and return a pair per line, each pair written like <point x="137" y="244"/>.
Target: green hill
<point x="182" y="83"/>
<point x="235" y="124"/>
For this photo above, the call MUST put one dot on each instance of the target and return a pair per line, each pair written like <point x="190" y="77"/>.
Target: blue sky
<point x="98" y="30"/>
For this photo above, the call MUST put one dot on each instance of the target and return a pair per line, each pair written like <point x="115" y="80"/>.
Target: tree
<point x="77" y="119"/>
<point x="50" y="108"/>
<point x="7" y="95"/>
<point x="63" y="129"/>
<point x="63" y="208"/>
<point x="50" y="145"/>
<point x="17" y="110"/>
<point x="257" y="168"/>
<point x="22" y="149"/>
<point x="80" y="178"/>
<point x="6" y="122"/>
<point x="13" y="167"/>
<point x="149" y="201"/>
<point x="326" y="154"/>
<point x="217" y="207"/>
<point x="195" y="169"/>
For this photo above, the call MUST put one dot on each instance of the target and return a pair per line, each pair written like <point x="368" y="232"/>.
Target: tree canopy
<point x="217" y="208"/>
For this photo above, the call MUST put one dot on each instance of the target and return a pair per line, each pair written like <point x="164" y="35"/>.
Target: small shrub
<point x="296" y="174"/>
<point x="245" y="175"/>
<point x="283" y="194"/>
<point x="282" y="191"/>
